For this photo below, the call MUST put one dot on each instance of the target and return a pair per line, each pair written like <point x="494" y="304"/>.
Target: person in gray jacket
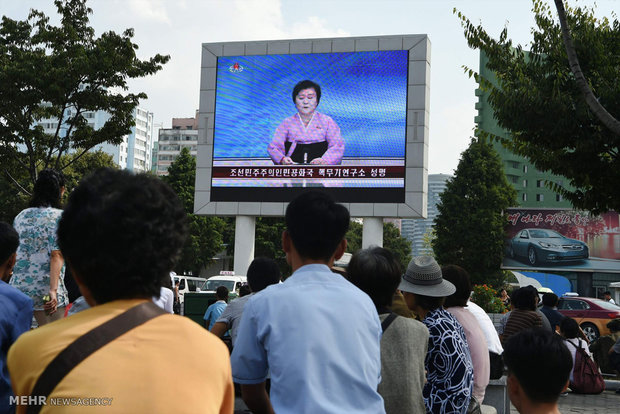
<point x="404" y="342"/>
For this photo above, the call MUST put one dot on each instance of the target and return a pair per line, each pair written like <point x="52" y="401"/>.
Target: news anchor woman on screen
<point x="308" y="137"/>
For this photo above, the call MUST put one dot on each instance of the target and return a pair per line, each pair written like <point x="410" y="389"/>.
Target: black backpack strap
<point x="87" y="344"/>
<point x="387" y="321"/>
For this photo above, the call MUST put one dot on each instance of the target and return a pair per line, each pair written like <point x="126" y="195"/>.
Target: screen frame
<point x="366" y="202"/>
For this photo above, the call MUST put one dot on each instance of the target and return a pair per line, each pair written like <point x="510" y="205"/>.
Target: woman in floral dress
<point x="39" y="270"/>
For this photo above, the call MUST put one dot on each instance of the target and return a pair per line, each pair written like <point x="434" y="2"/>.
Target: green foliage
<point x="486" y="297"/>
<point x="397" y="244"/>
<point x="392" y="240"/>
<point x="427" y="241"/>
<point x="354" y="237"/>
<point x="268" y="241"/>
<point x="61" y="72"/>
<point x="205" y="233"/>
<point x="470" y="224"/>
<point x="536" y="97"/>
<point x="84" y="165"/>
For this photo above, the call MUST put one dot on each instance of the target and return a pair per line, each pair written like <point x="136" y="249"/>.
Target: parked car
<point x="542" y="245"/>
<point x="590" y="313"/>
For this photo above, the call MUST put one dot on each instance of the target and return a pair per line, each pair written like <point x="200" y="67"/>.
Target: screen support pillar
<point x="372" y="233"/>
<point x="245" y="227"/>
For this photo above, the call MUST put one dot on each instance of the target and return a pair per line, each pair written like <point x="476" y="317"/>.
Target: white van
<point x="228" y="279"/>
<point x="187" y="284"/>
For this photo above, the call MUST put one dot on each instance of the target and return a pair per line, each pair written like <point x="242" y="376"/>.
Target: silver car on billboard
<point x="542" y="245"/>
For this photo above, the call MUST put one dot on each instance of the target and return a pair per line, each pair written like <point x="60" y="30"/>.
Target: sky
<point x="179" y="27"/>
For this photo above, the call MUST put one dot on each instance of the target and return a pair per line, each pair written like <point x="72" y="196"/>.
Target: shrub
<point x="486" y="297"/>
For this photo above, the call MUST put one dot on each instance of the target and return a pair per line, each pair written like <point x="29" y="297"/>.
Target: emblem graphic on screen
<point x="330" y="120"/>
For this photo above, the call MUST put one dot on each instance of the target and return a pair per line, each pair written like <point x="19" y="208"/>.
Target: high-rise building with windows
<point x="183" y="134"/>
<point x="134" y="153"/>
<point x="415" y="230"/>
<point x="520" y="172"/>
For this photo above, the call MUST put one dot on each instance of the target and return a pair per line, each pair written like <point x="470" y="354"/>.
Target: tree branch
<point x="74" y="159"/>
<point x="597" y="109"/>
<point x="22" y="189"/>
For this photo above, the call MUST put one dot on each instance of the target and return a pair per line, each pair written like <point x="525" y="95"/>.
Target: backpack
<point x="587" y="378"/>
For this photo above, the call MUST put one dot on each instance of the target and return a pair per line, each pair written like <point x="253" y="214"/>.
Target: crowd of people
<point x="376" y="340"/>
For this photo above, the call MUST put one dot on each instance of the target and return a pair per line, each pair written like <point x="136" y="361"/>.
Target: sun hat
<point x="423" y="276"/>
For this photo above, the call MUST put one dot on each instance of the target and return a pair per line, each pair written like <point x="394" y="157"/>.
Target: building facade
<point x="134" y="153"/>
<point x="520" y="172"/>
<point x="170" y="142"/>
<point x="415" y="230"/>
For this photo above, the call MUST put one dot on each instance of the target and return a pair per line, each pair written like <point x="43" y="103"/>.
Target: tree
<point x="204" y="240"/>
<point x="392" y="240"/>
<point x="428" y="238"/>
<point x="537" y="98"/>
<point x="595" y="106"/>
<point x="268" y="241"/>
<point x="84" y="165"/>
<point x="470" y="225"/>
<point x="60" y="72"/>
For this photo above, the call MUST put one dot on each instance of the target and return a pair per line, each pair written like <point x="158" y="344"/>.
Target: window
<point x="514" y="164"/>
<point x="540" y="183"/>
<point x="524" y="183"/>
<point x="558" y="198"/>
<point x="540" y="197"/>
<point x="524" y="197"/>
<point x="89" y="115"/>
<point x="525" y="168"/>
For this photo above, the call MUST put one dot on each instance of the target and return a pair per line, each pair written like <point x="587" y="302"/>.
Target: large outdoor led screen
<point x="287" y="122"/>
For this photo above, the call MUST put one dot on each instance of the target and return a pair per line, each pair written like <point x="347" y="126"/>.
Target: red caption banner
<point x="310" y="171"/>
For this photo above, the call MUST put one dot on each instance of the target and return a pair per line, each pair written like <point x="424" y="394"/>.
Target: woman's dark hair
<point x="262" y="273"/>
<point x="550" y="299"/>
<point x="316" y="224"/>
<point x="244" y="290"/>
<point x="569" y="328"/>
<point x="122" y="233"/>
<point x="428" y="303"/>
<point x="376" y="272"/>
<point x="307" y="84"/>
<point x="46" y="191"/>
<point x="222" y="293"/>
<point x="460" y="279"/>
<point x="524" y="299"/>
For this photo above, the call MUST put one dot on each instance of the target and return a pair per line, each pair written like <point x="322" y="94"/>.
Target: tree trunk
<point x="595" y="106"/>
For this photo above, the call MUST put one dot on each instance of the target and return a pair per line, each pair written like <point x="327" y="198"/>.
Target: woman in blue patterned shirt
<point x="449" y="378"/>
<point x="39" y="270"/>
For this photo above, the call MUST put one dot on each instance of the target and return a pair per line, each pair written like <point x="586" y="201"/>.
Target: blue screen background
<point x="364" y="92"/>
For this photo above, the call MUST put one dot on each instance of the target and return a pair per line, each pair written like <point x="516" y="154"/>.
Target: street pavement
<point x="606" y="403"/>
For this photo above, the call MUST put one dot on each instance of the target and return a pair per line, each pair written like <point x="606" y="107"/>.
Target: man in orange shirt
<point x="121" y="234"/>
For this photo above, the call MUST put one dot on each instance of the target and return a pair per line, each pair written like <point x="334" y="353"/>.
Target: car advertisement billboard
<point x="562" y="240"/>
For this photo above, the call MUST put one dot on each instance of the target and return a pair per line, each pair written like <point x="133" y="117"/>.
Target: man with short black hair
<point x="217" y="308"/>
<point x="316" y="334"/>
<point x="539" y="365"/>
<point x="607" y="297"/>
<point x="261" y="273"/>
<point x="550" y="310"/>
<point x="121" y="235"/>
